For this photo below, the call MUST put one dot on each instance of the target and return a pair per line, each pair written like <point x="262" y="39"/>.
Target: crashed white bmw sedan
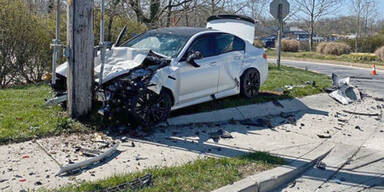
<point x="171" y="68"/>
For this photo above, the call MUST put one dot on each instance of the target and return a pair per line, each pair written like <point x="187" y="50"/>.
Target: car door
<point x="198" y="82"/>
<point x="231" y="50"/>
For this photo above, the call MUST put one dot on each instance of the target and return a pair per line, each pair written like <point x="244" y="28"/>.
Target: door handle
<point x="212" y="64"/>
<point x="237" y="58"/>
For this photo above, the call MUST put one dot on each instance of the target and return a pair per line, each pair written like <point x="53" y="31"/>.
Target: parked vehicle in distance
<point x="171" y="68"/>
<point x="269" y="42"/>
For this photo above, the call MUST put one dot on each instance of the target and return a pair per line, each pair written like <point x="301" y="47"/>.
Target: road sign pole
<point x="279" y="43"/>
<point x="279" y="9"/>
<point x="280" y="18"/>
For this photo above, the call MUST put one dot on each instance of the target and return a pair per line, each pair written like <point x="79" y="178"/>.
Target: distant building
<point x="301" y="35"/>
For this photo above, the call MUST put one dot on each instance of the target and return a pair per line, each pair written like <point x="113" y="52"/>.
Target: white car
<point x="171" y="68"/>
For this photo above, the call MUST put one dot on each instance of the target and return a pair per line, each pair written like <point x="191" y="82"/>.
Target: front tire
<point x="250" y="83"/>
<point x="151" y="109"/>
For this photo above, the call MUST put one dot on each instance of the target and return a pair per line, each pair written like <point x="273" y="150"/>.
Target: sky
<point x="346" y="8"/>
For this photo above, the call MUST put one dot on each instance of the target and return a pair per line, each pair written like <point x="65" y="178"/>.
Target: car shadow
<point x="228" y="102"/>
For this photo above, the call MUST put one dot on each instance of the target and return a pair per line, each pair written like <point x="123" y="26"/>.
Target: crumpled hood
<point x="118" y="61"/>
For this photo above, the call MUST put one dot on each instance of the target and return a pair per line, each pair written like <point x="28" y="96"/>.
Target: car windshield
<point x="167" y="44"/>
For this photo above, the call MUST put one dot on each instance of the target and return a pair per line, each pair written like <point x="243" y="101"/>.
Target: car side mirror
<point x="192" y="57"/>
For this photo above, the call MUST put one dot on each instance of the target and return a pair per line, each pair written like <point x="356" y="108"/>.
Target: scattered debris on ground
<point x="321" y="165"/>
<point x="257" y="123"/>
<point x="363" y="114"/>
<point x="313" y="83"/>
<point x="88" y="162"/>
<point x="342" y="91"/>
<point x="324" y="136"/>
<point x="290" y="87"/>
<point x="220" y="134"/>
<point x="134" y="185"/>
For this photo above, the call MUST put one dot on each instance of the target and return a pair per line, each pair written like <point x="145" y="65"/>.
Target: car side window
<point x="238" y="44"/>
<point x="224" y="43"/>
<point x="203" y="44"/>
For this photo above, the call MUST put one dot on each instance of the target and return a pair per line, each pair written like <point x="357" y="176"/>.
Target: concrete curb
<point x="245" y="112"/>
<point x="366" y="66"/>
<point x="271" y="179"/>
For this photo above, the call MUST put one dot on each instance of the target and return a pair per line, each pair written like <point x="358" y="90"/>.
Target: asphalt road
<point x="362" y="78"/>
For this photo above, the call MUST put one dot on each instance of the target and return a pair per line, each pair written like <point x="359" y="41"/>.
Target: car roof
<point x="182" y="31"/>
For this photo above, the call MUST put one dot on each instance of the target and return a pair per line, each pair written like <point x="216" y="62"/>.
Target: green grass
<point x="350" y="58"/>
<point x="22" y="116"/>
<point x="276" y="79"/>
<point x="200" y="175"/>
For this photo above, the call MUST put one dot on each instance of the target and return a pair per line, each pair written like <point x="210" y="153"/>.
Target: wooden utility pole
<point x="80" y="48"/>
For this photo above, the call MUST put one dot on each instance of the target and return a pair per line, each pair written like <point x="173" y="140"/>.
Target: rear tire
<point x="250" y="83"/>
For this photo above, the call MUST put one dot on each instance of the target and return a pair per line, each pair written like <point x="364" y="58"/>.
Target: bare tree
<point x="111" y="12"/>
<point x="257" y="7"/>
<point x="370" y="13"/>
<point x="312" y="10"/>
<point x="155" y="10"/>
<point x="362" y="10"/>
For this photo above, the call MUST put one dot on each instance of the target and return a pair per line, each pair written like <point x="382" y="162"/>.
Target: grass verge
<point x="347" y="58"/>
<point x="200" y="175"/>
<point x="277" y="79"/>
<point x="22" y="116"/>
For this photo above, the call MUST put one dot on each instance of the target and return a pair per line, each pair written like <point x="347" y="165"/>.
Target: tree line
<point x="27" y="26"/>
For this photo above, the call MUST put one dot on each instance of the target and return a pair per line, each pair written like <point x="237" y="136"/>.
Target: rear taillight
<point x="265" y="56"/>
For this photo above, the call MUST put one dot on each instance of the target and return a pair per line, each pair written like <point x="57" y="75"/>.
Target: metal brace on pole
<point x="102" y="44"/>
<point x="56" y="45"/>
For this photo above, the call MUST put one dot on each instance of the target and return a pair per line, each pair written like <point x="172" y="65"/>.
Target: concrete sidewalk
<point x="27" y="166"/>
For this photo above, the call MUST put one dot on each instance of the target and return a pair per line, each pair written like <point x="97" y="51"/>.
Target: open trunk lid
<point x="241" y="26"/>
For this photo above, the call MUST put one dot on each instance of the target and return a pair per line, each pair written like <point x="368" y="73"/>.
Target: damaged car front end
<point x="128" y="93"/>
<point x="131" y="98"/>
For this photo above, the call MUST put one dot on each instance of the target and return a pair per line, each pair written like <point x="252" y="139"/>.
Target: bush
<point x="289" y="45"/>
<point x="368" y="44"/>
<point x="24" y="48"/>
<point x="304" y="45"/>
<point x="320" y="47"/>
<point x="380" y="53"/>
<point x="333" y="48"/>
